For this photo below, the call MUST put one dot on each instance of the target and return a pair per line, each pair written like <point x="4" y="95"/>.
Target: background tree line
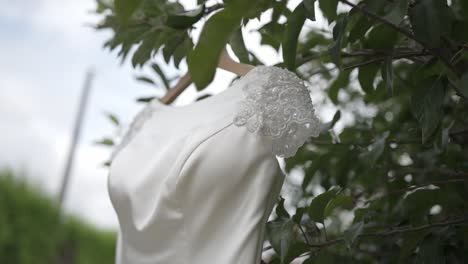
<point x="31" y="231"/>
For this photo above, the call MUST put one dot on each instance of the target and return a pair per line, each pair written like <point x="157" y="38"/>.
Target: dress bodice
<point x="274" y="101"/>
<point x="196" y="184"/>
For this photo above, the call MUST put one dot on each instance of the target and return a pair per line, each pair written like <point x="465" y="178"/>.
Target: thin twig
<point x="460" y="221"/>
<point x="213" y="8"/>
<point x="442" y="171"/>
<point x="363" y="144"/>
<point x="380" y="19"/>
<point x="304" y="234"/>
<point x="380" y="59"/>
<point x="458" y="91"/>
<point x="325" y="231"/>
<point x="402" y="31"/>
<point x="404" y="190"/>
<point x="460" y="132"/>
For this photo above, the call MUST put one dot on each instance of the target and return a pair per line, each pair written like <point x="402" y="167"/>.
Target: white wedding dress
<point x="196" y="184"/>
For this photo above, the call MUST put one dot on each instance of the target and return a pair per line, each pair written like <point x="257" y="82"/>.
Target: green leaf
<point x="280" y="235"/>
<point x="171" y="45"/>
<point x="125" y="8"/>
<point x="328" y="8"/>
<point x="280" y="211"/>
<point x="336" y="117"/>
<point x="443" y="141"/>
<point x="418" y="203"/>
<point x="338" y="33"/>
<point x="324" y="257"/>
<point x="161" y="75"/>
<point x="113" y="119"/>
<point x="272" y="34"/>
<point x="204" y="59"/>
<point x="366" y="77"/>
<point x="410" y="243"/>
<point x="318" y="204"/>
<point x="310" y="172"/>
<point x="310" y="9"/>
<point x="279" y="8"/>
<point x="464" y="8"/>
<point x="143" y="53"/>
<point x="185" y="19"/>
<point x="298" y="215"/>
<point x="238" y="46"/>
<point x="378" y="7"/>
<point x="342" y="80"/>
<point x="399" y="8"/>
<point x="105" y="142"/>
<point x="381" y="37"/>
<point x="331" y="124"/>
<point x="387" y="74"/>
<point x="431" y="251"/>
<point x="145" y="99"/>
<point x="342" y="201"/>
<point x="293" y="28"/>
<point x="352" y="233"/>
<point x="426" y="105"/>
<point x="145" y="79"/>
<point x="375" y="149"/>
<point x="182" y="50"/>
<point x="359" y="29"/>
<point x="295" y="250"/>
<point x="201" y="97"/>
<point x="463" y="84"/>
<point x="430" y="19"/>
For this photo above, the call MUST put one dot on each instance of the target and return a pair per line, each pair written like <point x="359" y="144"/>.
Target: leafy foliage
<point x="393" y="158"/>
<point x="203" y="60"/>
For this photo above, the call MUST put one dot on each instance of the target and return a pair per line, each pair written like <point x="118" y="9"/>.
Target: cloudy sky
<point x="47" y="47"/>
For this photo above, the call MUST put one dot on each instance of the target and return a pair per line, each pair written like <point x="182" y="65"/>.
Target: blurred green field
<point x="31" y="233"/>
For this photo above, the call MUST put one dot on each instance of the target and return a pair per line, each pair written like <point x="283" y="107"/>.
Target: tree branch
<point x="414" y="187"/>
<point x="213" y="8"/>
<point x="442" y="171"/>
<point x="459" y="93"/>
<point x="304" y="234"/>
<point x="386" y="22"/>
<point x="402" y="31"/>
<point x="398" y="53"/>
<point x="380" y="59"/>
<point x="363" y="144"/>
<point x="460" y="221"/>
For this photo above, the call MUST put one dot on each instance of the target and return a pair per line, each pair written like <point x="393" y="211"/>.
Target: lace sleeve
<point x="279" y="107"/>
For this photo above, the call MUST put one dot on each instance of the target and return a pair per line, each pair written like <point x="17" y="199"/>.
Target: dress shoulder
<point x="136" y="124"/>
<point x="277" y="104"/>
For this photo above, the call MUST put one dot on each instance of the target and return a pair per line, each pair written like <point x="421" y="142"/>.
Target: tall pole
<point x="76" y="135"/>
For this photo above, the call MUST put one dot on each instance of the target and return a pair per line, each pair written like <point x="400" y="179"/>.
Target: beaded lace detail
<point x="277" y="103"/>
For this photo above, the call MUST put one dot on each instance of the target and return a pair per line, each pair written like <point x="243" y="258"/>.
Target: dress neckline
<point x="157" y="104"/>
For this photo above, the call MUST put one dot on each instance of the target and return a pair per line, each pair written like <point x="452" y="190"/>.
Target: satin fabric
<point x="191" y="187"/>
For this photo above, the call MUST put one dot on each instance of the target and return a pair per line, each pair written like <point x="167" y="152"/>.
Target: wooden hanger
<point x="225" y="63"/>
